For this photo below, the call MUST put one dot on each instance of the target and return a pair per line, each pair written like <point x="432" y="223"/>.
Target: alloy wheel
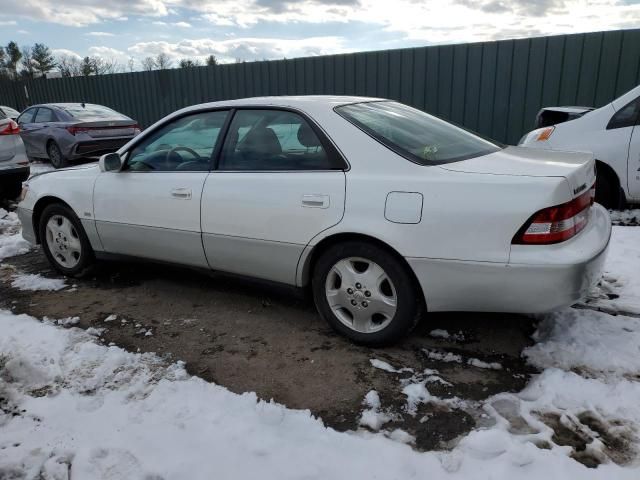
<point x="63" y="241"/>
<point x="361" y="294"/>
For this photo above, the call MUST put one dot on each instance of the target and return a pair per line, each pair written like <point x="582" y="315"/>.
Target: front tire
<point x="366" y="293"/>
<point x="64" y="241"/>
<point x="58" y="160"/>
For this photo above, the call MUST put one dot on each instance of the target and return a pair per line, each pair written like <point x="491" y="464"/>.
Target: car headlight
<point x="539" y="135"/>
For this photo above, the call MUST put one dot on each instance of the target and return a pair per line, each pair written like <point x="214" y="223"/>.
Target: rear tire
<point x="10" y="191"/>
<point x="64" y="241"/>
<point x="607" y="190"/>
<point x="366" y="293"/>
<point x="58" y="160"/>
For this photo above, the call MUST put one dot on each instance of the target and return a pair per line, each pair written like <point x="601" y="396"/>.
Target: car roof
<point x="302" y="102"/>
<point x="64" y="105"/>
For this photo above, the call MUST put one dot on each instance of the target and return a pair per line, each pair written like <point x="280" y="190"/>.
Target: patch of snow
<point x="11" y="241"/>
<point x="91" y="411"/>
<point x="373" y="417"/>
<point x="111" y="318"/>
<point x="587" y="340"/>
<point x="444" y="334"/>
<point x="619" y="290"/>
<point x="69" y="321"/>
<point x="382" y="365"/>
<point x="33" y="282"/>
<point x="450" y="357"/>
<point x="95" y="331"/>
<point x="625" y="217"/>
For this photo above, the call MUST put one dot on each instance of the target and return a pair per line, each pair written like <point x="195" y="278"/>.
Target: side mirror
<point x="110" y="162"/>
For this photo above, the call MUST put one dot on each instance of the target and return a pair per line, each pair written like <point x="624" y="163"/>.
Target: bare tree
<point x="69" y="66"/>
<point x="131" y="65"/>
<point x="188" y="63"/>
<point x="163" y="61"/>
<point x="28" y="68"/>
<point x="103" y="66"/>
<point x="148" y="64"/>
<point x="212" y="60"/>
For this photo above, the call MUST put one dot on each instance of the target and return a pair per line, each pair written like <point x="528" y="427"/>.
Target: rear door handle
<point x="182" y="193"/>
<point x="315" y="201"/>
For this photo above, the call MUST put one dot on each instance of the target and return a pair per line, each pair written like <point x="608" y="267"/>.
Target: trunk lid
<point x="576" y="167"/>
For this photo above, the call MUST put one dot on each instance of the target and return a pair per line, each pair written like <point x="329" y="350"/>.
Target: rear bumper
<point x="26" y="220"/>
<point x="97" y="147"/>
<point x="537" y="279"/>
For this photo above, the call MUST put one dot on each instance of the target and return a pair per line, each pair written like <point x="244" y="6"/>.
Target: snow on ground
<point x="24" y="281"/>
<point x="72" y="408"/>
<point x="625" y="217"/>
<point x="619" y="290"/>
<point x="11" y="241"/>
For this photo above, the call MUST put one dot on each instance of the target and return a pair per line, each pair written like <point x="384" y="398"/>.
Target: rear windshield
<point x="10" y="111"/>
<point x="416" y="135"/>
<point x="92" y="112"/>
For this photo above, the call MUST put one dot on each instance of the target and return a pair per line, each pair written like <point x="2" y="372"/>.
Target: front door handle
<point x="182" y="193"/>
<point x="315" y="201"/>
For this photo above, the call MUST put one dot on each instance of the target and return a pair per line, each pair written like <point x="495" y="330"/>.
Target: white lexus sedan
<point x="384" y="211"/>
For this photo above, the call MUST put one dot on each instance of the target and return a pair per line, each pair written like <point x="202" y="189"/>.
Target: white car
<point x="611" y="133"/>
<point x="383" y="210"/>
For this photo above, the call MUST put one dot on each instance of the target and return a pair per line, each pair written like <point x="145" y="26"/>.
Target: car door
<point x="27" y="130"/>
<point x="151" y="208"/>
<point x="628" y="117"/>
<point x="278" y="183"/>
<point x="40" y="131"/>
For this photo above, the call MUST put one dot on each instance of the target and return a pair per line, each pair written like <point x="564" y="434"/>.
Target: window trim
<point x="636" y="122"/>
<point x="398" y="151"/>
<point x="35" y="111"/>
<point x="223" y="130"/>
<point x="327" y="142"/>
<point x="53" y="115"/>
<point x="334" y="154"/>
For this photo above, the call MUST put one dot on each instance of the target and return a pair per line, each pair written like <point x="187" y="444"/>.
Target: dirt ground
<point x="250" y="336"/>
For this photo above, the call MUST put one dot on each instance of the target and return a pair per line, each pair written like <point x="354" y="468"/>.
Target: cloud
<point x="63" y="52"/>
<point x="108" y="53"/>
<point x="171" y="24"/>
<point x="100" y="34"/>
<point x="240" y="48"/>
<point x="7" y="23"/>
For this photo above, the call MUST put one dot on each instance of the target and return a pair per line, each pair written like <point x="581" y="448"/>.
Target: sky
<point x="270" y="29"/>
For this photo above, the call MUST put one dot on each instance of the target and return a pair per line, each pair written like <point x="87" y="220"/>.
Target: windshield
<point x="92" y="112"/>
<point x="415" y="135"/>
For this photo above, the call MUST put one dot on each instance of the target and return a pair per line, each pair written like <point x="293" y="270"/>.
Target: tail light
<point x="557" y="224"/>
<point x="11" y="128"/>
<point x="73" y="130"/>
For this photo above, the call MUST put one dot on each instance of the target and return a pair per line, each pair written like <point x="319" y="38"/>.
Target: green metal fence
<point x="495" y="88"/>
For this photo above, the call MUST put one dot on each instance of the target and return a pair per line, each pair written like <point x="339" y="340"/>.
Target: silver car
<point x="63" y="132"/>
<point x="14" y="166"/>
<point x="9" y="112"/>
<point x="382" y="210"/>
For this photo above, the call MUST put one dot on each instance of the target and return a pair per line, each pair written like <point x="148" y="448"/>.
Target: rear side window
<point x="416" y="135"/>
<point x="627" y="116"/>
<point x="2" y="115"/>
<point x="92" y="112"/>
<point x="273" y="140"/>
<point x="27" y="116"/>
<point x="44" y="115"/>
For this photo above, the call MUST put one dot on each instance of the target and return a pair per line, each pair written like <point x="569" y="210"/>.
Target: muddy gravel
<point x="251" y="336"/>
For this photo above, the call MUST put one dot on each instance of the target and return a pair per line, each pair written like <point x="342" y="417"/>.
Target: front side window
<point x="185" y="144"/>
<point x="27" y="116"/>
<point x="44" y="115"/>
<point x="271" y="140"/>
<point x="627" y="116"/>
<point x="415" y="135"/>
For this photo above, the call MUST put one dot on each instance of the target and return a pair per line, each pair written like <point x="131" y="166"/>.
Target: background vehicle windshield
<point x="416" y="135"/>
